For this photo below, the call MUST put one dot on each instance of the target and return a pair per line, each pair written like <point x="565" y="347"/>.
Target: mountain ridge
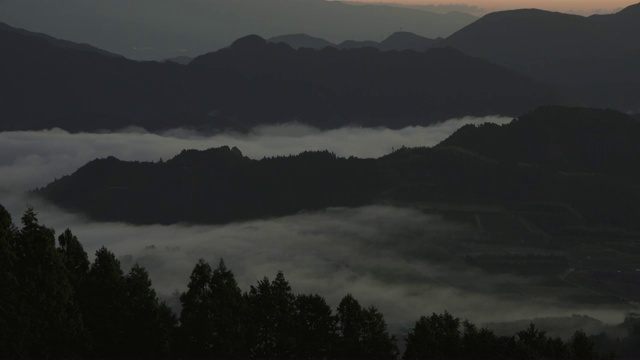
<point x="593" y="57"/>
<point x="250" y="83"/>
<point x="544" y="159"/>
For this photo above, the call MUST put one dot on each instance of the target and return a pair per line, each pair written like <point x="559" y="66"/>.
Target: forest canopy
<point x="56" y="303"/>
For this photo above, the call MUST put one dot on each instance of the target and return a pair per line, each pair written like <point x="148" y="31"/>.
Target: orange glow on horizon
<point x="584" y="7"/>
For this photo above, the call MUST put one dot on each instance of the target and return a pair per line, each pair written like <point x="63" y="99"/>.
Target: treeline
<point x="55" y="303"/>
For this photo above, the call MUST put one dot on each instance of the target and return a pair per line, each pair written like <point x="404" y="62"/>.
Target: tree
<point x="479" y="343"/>
<point x="271" y="330"/>
<point x="103" y="302"/>
<point x="435" y="337"/>
<point x="582" y="346"/>
<point x="74" y="257"/>
<point x="362" y="333"/>
<point x="11" y="340"/>
<point x="531" y="343"/>
<point x="149" y="326"/>
<point x="314" y="327"/>
<point x="227" y="309"/>
<point x="48" y="308"/>
<point x="195" y="319"/>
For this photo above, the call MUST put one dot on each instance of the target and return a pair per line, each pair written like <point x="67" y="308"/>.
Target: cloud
<point x="30" y="159"/>
<point x="404" y="261"/>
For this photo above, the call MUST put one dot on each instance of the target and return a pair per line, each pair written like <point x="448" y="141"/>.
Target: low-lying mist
<point x="398" y="259"/>
<point x="30" y="159"/>
<point x="394" y="258"/>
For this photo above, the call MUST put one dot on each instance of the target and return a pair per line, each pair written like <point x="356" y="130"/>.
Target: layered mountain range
<point x="251" y="82"/>
<point x="154" y="30"/>
<point x="561" y="168"/>
<point x="596" y="58"/>
<point x="400" y="41"/>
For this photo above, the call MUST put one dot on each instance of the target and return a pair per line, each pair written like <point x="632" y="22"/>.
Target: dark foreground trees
<point x="55" y="303"/>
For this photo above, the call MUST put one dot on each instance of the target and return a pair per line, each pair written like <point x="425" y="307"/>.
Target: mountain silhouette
<point x="354" y="44"/>
<point x="252" y="82"/>
<point x="593" y="57"/>
<point x="183" y="60"/>
<point x="399" y="41"/>
<point x="557" y="167"/>
<point x="404" y="40"/>
<point x="63" y="44"/>
<point x="377" y="88"/>
<point x="297" y="41"/>
<point x="156" y="30"/>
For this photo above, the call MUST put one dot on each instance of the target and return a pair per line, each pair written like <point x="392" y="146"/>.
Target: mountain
<point x="182" y="60"/>
<point x="543" y="166"/>
<point x="365" y="86"/>
<point x="297" y="41"/>
<point x="63" y="44"/>
<point x="560" y="138"/>
<point x="160" y="29"/>
<point x="594" y="57"/>
<point x="43" y="85"/>
<point x="250" y="83"/>
<point x="354" y="44"/>
<point x="404" y="40"/>
<point x="221" y="184"/>
<point x="399" y="41"/>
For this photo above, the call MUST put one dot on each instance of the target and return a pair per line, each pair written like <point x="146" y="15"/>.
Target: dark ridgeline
<point x="574" y="162"/>
<point x="297" y="41"/>
<point x="595" y="58"/>
<point x="216" y="186"/>
<point x="399" y="41"/>
<point x="182" y="60"/>
<point x="164" y="28"/>
<point x="368" y="87"/>
<point x="57" y="304"/>
<point x="251" y="82"/>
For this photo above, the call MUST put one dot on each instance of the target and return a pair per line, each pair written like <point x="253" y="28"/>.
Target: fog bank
<point x="30" y="159"/>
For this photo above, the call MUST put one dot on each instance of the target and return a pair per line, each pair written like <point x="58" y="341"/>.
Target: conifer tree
<point x="103" y="302"/>
<point x="48" y="307"/>
<point x="363" y="332"/>
<point x="271" y="330"/>
<point x="195" y="319"/>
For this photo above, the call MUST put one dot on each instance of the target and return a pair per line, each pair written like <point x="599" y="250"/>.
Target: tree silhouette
<point x="48" y="308"/>
<point x="271" y="319"/>
<point x="104" y="302"/>
<point x="314" y="327"/>
<point x="195" y="319"/>
<point x="227" y="310"/>
<point x="74" y="257"/>
<point x="435" y="337"/>
<point x="362" y="332"/>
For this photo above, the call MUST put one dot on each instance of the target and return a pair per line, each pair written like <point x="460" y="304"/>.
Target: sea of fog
<point x="385" y="256"/>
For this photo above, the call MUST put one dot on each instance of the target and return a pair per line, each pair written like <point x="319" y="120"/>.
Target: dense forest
<point x="56" y="303"/>
<point x="564" y="169"/>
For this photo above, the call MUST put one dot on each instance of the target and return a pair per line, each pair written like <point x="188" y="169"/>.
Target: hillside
<point x="160" y="29"/>
<point x="297" y="41"/>
<point x="250" y="83"/>
<point x="540" y="166"/>
<point x="593" y="57"/>
<point x="399" y="41"/>
<point x="365" y="86"/>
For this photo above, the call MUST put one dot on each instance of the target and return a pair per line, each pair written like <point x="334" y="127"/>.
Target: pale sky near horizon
<point x="571" y="6"/>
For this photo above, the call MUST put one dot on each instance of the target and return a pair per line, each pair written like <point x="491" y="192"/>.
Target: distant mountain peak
<point x="249" y="43"/>
<point x="301" y="40"/>
<point x="631" y="10"/>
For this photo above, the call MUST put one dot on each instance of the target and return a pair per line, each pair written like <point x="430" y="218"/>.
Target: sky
<point x="585" y="7"/>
